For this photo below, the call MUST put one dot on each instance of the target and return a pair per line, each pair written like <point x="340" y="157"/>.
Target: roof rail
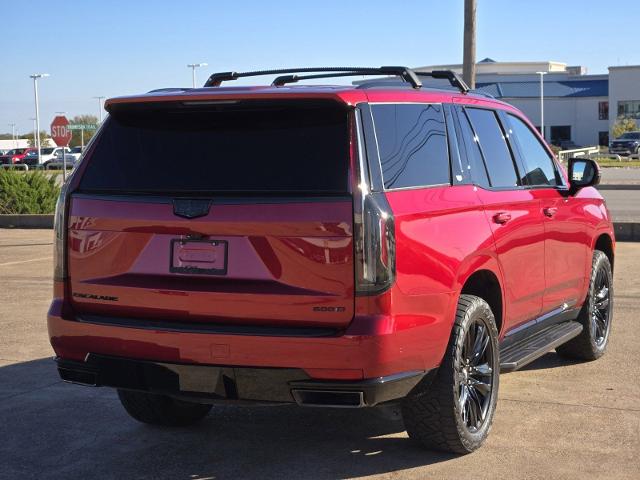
<point x="407" y="74"/>
<point x="290" y="75"/>
<point x="454" y="79"/>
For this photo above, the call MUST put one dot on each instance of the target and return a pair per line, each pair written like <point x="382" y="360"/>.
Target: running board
<point x="529" y="349"/>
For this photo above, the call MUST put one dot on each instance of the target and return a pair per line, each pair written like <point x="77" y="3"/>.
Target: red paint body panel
<point x="285" y="259"/>
<point x="519" y="244"/>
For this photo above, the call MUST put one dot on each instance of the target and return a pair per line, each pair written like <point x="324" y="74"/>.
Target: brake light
<point x="374" y="230"/>
<point x="375" y="246"/>
<point x="60" y="240"/>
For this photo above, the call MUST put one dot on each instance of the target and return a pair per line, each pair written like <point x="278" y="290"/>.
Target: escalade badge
<point x="191" y="207"/>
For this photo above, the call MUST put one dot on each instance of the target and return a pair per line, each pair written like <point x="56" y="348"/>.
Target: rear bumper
<point x="372" y="346"/>
<point x="211" y="382"/>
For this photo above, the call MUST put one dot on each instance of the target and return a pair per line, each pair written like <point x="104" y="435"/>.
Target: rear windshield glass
<point x="274" y="149"/>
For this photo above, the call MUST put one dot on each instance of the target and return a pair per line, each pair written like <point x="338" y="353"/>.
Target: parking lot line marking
<point x="25" y="261"/>
<point x="26" y="244"/>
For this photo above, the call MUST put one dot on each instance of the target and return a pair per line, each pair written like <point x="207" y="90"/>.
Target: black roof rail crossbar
<point x="454" y="79"/>
<point x="284" y="79"/>
<point x="405" y="73"/>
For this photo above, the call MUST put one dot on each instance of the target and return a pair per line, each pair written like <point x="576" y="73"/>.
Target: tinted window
<point x="469" y="143"/>
<point x="243" y="148"/>
<point x="494" y="147"/>
<point x="631" y="136"/>
<point x="460" y="170"/>
<point x="539" y="169"/>
<point x="413" y="144"/>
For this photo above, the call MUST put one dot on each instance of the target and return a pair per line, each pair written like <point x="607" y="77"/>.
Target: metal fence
<point x="593" y="153"/>
<point x="564" y="155"/>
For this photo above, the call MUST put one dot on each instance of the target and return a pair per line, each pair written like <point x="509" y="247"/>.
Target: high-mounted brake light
<point x="374" y="228"/>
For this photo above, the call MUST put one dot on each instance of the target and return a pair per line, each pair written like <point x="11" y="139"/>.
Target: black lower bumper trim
<point x="208" y="328"/>
<point x="209" y="382"/>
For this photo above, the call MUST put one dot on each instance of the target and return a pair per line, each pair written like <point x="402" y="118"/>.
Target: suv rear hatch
<point x="225" y="212"/>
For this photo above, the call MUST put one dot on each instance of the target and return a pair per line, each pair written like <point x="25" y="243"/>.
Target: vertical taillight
<point x="60" y="240"/>
<point x="374" y="230"/>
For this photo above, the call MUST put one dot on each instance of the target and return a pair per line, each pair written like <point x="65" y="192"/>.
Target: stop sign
<point x="59" y="131"/>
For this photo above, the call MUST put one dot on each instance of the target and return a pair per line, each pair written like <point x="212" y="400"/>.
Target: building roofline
<point x="493" y="64"/>
<point x="620" y="67"/>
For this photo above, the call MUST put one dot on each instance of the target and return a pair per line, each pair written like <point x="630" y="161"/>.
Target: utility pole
<point x="469" y="55"/>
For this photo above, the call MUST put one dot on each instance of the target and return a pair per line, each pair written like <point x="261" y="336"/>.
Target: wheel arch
<point x="484" y="283"/>
<point x="605" y="244"/>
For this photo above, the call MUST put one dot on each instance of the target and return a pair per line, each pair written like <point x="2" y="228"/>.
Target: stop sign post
<point x="61" y="134"/>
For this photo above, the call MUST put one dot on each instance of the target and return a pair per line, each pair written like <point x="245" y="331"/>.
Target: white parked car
<point x="49" y="155"/>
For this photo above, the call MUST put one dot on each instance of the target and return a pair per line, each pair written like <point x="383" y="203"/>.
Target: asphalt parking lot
<point x="555" y="419"/>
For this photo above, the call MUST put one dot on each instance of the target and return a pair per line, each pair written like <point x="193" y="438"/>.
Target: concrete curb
<point x="614" y="186"/>
<point x="627" y="231"/>
<point x="26" y="221"/>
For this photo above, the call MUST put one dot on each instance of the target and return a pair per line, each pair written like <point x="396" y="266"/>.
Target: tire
<point x="161" y="410"/>
<point x="595" y="316"/>
<point x="453" y="413"/>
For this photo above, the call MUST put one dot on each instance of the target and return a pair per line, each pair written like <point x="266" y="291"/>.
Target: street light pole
<point x="542" y="74"/>
<point x="100" y="107"/>
<point x="13" y="134"/>
<point x="193" y="67"/>
<point x="34" y="129"/>
<point x="35" y="77"/>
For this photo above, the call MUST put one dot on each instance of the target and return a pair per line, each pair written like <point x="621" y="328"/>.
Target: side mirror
<point x="583" y="172"/>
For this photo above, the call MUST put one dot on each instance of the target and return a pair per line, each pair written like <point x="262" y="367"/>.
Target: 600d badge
<point x="329" y="309"/>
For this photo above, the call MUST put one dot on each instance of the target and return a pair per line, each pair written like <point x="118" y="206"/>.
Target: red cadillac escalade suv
<point x="336" y="246"/>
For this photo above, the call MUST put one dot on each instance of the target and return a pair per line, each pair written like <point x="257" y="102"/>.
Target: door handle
<point x="502" y="217"/>
<point x="550" y="211"/>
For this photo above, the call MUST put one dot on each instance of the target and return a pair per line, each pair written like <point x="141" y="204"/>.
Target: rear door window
<point x="538" y="165"/>
<point x="495" y="151"/>
<point x="469" y="144"/>
<point x="412" y="143"/>
<point x="244" y="148"/>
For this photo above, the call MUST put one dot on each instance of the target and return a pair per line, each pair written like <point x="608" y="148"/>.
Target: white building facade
<point x="579" y="109"/>
<point x="624" y="92"/>
<point x="11" y="144"/>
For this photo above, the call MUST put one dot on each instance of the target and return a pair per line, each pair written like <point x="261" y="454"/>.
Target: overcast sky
<point x="118" y="47"/>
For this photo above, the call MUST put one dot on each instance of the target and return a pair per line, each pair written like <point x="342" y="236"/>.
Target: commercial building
<point x="579" y="109"/>
<point x="11" y="144"/>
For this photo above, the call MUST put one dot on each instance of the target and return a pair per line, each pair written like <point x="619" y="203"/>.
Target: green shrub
<point x="27" y="192"/>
